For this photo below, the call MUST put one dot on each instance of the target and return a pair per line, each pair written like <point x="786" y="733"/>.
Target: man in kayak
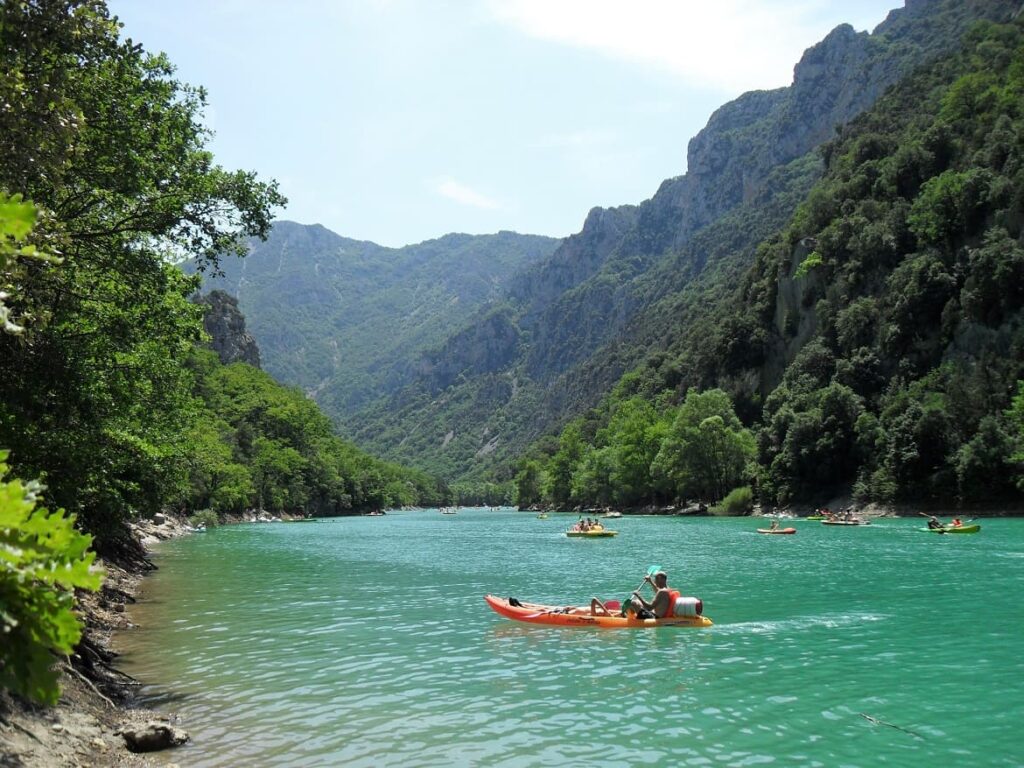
<point x="660" y="606"/>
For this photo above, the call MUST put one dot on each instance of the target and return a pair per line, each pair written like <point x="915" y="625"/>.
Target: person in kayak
<point x="956" y="523"/>
<point x="933" y="522"/>
<point x="660" y="607"/>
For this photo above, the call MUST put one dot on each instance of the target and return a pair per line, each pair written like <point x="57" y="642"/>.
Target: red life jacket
<point x="673" y="595"/>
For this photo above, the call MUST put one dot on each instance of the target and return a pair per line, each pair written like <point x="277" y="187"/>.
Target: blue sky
<point x="401" y="120"/>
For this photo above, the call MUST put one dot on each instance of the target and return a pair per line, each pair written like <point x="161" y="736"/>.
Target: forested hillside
<point x="876" y="345"/>
<point x="104" y="395"/>
<point x="347" y="320"/>
<point x="637" y="277"/>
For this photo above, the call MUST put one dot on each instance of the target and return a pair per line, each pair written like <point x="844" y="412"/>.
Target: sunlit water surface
<point x="366" y="642"/>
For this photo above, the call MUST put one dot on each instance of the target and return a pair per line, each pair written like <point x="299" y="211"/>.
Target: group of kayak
<point x="846" y="517"/>
<point x="668" y="607"/>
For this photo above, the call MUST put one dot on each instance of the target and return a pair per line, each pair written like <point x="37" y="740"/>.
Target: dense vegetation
<point x="347" y="320"/>
<point x="42" y="557"/>
<point x="256" y="444"/>
<point x="634" y="452"/>
<point x="109" y="147"/>
<point x="635" y="278"/>
<point x="104" y="396"/>
<point x="877" y="341"/>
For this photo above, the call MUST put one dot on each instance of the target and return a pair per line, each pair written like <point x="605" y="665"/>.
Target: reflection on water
<point x="366" y="641"/>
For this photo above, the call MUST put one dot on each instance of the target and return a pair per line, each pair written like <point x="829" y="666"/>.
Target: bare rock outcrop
<point x="226" y="325"/>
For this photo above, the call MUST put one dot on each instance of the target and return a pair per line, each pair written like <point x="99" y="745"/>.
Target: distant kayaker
<point x="660" y="606"/>
<point x="933" y="522"/>
<point x="774" y="525"/>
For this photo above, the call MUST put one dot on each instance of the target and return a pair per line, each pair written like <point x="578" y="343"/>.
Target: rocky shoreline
<point x="96" y="718"/>
<point x="696" y="509"/>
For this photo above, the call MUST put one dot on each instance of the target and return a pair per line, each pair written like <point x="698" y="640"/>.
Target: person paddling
<point x="660" y="606"/>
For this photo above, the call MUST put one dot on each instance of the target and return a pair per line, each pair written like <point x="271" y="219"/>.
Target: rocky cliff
<point x="728" y="164"/>
<point x="348" y="320"/>
<point x="226" y="326"/>
<point x="624" y="285"/>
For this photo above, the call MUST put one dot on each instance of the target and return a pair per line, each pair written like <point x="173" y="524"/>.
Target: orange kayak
<point x="777" y="530"/>
<point x="555" y="615"/>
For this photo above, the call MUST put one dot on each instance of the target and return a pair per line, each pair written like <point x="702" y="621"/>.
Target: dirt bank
<point x="96" y="700"/>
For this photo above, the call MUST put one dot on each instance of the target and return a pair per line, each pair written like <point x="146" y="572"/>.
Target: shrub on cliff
<point x="43" y="559"/>
<point x="740" y="501"/>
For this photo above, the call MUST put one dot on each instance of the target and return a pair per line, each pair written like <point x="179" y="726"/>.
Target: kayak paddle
<point x="651" y="570"/>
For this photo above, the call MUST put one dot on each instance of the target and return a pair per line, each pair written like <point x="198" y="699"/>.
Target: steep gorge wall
<point x="728" y="164"/>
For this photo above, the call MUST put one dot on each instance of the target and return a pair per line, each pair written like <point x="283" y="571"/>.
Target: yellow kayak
<point x="599" y="534"/>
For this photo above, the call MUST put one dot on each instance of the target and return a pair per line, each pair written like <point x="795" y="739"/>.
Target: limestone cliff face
<point x="729" y="163"/>
<point x="575" y="261"/>
<point x="226" y="326"/>
<point x="795" y="320"/>
<point x="346" y="320"/>
<point x="484" y="347"/>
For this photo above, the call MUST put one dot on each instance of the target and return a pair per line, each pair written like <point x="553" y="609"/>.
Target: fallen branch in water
<point x="876" y="721"/>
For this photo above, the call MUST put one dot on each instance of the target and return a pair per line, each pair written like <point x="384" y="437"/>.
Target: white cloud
<point x="465" y="195"/>
<point x="730" y="45"/>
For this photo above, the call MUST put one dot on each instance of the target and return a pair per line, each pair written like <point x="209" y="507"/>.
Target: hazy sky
<point x="401" y="120"/>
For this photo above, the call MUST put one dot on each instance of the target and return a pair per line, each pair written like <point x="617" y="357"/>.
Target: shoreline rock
<point x="697" y="509"/>
<point x="96" y="710"/>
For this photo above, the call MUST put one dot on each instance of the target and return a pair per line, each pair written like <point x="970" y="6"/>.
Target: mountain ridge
<point x="608" y="295"/>
<point x="344" y="319"/>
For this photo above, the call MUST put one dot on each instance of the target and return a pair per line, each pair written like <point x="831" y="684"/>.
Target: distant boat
<point x="593" y="533"/>
<point x="612" y="514"/>
<point x="953" y="529"/>
<point x="846" y="522"/>
<point x="376" y="513"/>
<point x="449" y="511"/>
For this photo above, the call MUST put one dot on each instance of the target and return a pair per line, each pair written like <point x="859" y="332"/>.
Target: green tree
<point x="1015" y="417"/>
<point x="563" y="464"/>
<point x="983" y="464"/>
<point x="593" y="483"/>
<point x="528" y="484"/>
<point x="707" y="451"/>
<point x="111" y="148"/>
<point x="634" y="435"/>
<point x="43" y="559"/>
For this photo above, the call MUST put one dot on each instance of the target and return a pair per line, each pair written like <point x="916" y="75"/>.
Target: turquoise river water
<point x="366" y="642"/>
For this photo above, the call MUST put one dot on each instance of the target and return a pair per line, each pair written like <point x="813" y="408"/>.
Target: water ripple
<point x="365" y="642"/>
